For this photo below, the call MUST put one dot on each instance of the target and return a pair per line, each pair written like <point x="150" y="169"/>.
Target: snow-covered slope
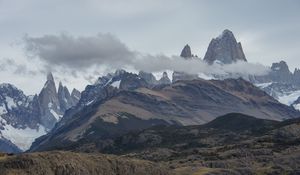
<point x="21" y="137"/>
<point x="25" y="118"/>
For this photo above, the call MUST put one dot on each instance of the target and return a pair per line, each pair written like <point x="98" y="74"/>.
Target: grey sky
<point x="268" y="29"/>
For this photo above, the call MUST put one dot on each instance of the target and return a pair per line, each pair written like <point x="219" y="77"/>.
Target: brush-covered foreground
<point x="234" y="144"/>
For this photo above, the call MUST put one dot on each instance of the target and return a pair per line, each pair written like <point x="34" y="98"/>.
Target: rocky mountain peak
<point x="224" y="49"/>
<point x="50" y="77"/>
<point x="76" y="95"/>
<point x="226" y="34"/>
<point x="49" y="103"/>
<point x="149" y="77"/>
<point x="186" y="52"/>
<point x="165" y="79"/>
<point x="296" y="71"/>
<point x="281" y="66"/>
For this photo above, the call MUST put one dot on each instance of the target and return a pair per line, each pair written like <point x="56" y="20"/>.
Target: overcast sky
<point x="268" y="29"/>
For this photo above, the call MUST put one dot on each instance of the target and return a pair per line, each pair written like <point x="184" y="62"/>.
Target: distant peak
<point x="8" y="86"/>
<point x="226" y="33"/>
<point x="186" y="52"/>
<point x="165" y="74"/>
<point x="50" y="77"/>
<point x="224" y="49"/>
<point x="120" y="71"/>
<point x="281" y="66"/>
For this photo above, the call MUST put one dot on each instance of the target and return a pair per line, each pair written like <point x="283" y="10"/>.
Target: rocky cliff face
<point x="224" y="49"/>
<point x="186" y="52"/>
<point x="54" y="103"/>
<point x="49" y="103"/>
<point x="75" y="95"/>
<point x="67" y="100"/>
<point x="148" y="77"/>
<point x="164" y="79"/>
<point x="281" y="73"/>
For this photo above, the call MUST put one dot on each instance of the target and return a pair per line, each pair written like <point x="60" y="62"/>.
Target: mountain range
<point x="116" y="111"/>
<point x="24" y="118"/>
<point x="182" y="121"/>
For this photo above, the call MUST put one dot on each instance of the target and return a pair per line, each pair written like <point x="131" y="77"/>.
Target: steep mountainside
<point x="115" y="112"/>
<point x="19" y="119"/>
<point x="24" y="118"/>
<point x="8" y="146"/>
<point x="64" y="163"/>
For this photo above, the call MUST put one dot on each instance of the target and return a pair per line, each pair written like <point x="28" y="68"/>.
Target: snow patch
<point x="289" y="98"/>
<point x="263" y="85"/>
<point x="205" y="76"/>
<point x="10" y="102"/>
<point x="76" y="97"/>
<point x="297" y="106"/>
<point x="50" y="105"/>
<point x="90" y="102"/>
<point x="276" y="68"/>
<point x="3" y="110"/>
<point x="116" y="84"/>
<point x="57" y="116"/>
<point x="22" y="138"/>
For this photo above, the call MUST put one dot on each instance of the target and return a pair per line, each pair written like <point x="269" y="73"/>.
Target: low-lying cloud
<point x="82" y="53"/>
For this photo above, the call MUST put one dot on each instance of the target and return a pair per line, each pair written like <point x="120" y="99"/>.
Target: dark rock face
<point x="148" y="77"/>
<point x="67" y="100"/>
<point x="14" y="104"/>
<point x="186" y="52"/>
<point x="8" y="147"/>
<point x="132" y="81"/>
<point x="224" y="49"/>
<point x="164" y="79"/>
<point x="281" y="73"/>
<point x="49" y="103"/>
<point x="75" y="95"/>
<point x="54" y="103"/>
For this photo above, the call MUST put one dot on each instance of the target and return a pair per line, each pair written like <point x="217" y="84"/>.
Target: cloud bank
<point x="86" y="52"/>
